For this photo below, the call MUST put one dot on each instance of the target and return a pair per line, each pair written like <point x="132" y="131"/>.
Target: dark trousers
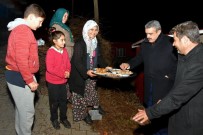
<point x="57" y="99"/>
<point x="158" y="126"/>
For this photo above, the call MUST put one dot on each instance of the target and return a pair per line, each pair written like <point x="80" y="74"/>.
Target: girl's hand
<point x="67" y="74"/>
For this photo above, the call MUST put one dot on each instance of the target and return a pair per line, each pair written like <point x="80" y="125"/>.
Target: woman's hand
<point x="91" y="73"/>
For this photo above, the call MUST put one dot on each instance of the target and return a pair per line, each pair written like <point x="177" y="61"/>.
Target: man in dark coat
<point x="184" y="101"/>
<point x="160" y="62"/>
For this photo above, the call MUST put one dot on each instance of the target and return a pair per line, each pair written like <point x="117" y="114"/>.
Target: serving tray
<point x="114" y="73"/>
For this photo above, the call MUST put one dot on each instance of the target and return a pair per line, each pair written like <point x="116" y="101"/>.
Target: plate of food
<point x="112" y="72"/>
<point x="100" y="71"/>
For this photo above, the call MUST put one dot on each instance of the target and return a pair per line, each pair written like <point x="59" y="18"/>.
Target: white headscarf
<point x="90" y="43"/>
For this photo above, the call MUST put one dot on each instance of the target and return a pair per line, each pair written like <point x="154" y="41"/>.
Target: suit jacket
<point x="160" y="64"/>
<point x="185" y="100"/>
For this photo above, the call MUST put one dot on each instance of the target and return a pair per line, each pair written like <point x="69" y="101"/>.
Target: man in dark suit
<point x="160" y="61"/>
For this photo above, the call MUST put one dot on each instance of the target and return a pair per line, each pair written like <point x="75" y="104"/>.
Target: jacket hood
<point x="18" y="21"/>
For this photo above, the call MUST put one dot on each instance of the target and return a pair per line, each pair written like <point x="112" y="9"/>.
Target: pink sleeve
<point x="53" y="67"/>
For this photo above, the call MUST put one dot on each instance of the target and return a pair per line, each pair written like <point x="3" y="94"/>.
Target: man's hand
<point x="124" y="66"/>
<point x="141" y="117"/>
<point x="33" y="85"/>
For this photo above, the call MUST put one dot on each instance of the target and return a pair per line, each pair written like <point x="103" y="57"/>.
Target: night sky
<point x="124" y="20"/>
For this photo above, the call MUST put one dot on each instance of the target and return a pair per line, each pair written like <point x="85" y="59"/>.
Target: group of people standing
<point x="183" y="103"/>
<point x="66" y="61"/>
<point x="70" y="68"/>
<point x="173" y="76"/>
<point x="173" y="80"/>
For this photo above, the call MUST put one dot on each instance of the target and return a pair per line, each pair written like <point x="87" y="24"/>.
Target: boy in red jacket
<point x="22" y="63"/>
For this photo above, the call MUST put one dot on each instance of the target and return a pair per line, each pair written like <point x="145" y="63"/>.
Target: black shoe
<point x="66" y="123"/>
<point x="101" y="111"/>
<point x="56" y="124"/>
<point x="88" y="119"/>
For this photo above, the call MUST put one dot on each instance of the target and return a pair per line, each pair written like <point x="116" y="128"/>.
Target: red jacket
<point x="22" y="52"/>
<point x="56" y="65"/>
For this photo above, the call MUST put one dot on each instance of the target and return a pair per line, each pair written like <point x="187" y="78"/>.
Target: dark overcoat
<point x="160" y="64"/>
<point x="185" y="100"/>
<point x="78" y="74"/>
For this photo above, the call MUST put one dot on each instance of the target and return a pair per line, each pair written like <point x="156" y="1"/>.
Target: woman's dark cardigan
<point x="78" y="74"/>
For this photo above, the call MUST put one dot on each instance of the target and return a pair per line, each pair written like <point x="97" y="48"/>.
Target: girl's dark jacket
<point x="160" y="64"/>
<point x="185" y="100"/>
<point x="78" y="74"/>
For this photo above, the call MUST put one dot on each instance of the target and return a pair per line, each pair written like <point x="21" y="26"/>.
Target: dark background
<point x="124" y="20"/>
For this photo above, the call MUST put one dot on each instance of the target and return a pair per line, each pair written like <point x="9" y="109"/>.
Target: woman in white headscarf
<point x="82" y="80"/>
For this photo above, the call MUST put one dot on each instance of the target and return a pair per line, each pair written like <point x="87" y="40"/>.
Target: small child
<point x="58" y="69"/>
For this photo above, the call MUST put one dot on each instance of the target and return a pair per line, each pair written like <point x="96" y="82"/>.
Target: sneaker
<point x="66" y="123"/>
<point x="101" y="111"/>
<point x="56" y="124"/>
<point x="88" y="119"/>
